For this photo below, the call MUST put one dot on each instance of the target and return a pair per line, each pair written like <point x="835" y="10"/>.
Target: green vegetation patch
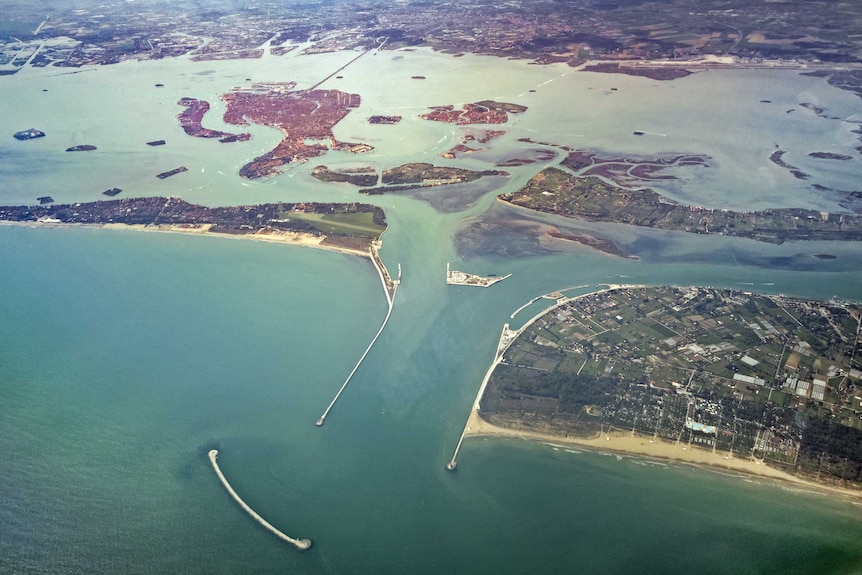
<point x="558" y="192"/>
<point x="360" y="224"/>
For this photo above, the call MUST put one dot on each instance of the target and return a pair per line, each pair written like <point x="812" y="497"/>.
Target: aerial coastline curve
<point x="634" y="443"/>
<point x="507" y="337"/>
<point x="301" y="544"/>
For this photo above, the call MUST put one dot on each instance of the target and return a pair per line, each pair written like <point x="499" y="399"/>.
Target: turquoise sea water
<point x="126" y="356"/>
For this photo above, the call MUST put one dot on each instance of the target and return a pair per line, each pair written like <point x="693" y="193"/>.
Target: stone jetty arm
<point x="388" y="283"/>
<point x="301" y="544"/>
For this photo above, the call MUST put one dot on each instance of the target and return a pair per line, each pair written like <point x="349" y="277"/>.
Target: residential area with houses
<point x="770" y="377"/>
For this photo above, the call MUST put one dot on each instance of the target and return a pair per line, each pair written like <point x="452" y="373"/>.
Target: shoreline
<point x="624" y="443"/>
<point x="289" y="238"/>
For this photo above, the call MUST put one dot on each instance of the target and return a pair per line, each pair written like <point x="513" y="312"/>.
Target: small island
<point x="356" y="176"/>
<point x="388" y="120"/>
<point x="423" y="175"/>
<point x="484" y="112"/>
<point x="470" y="136"/>
<point x="28" y="134"/>
<point x="173" y="172"/>
<point x="776" y="158"/>
<point x="829" y="156"/>
<point x="558" y="192"/>
<point x="454" y="277"/>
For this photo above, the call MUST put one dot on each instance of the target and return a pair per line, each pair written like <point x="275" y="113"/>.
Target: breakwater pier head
<point x="301" y="544"/>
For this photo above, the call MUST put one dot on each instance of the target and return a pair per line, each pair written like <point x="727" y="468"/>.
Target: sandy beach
<point x="275" y="236"/>
<point x="624" y="443"/>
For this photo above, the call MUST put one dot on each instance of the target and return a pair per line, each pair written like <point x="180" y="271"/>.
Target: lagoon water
<point x="126" y="356"/>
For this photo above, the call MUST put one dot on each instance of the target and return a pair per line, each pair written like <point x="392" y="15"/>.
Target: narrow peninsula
<point x="762" y="384"/>
<point x="592" y="198"/>
<point x="351" y="228"/>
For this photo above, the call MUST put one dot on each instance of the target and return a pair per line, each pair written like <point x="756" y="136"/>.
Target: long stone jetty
<point x="506" y="338"/>
<point x="390" y="286"/>
<point x="301" y="544"/>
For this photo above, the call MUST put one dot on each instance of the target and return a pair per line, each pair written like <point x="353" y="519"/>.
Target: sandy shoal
<point x="275" y="236"/>
<point x="623" y="442"/>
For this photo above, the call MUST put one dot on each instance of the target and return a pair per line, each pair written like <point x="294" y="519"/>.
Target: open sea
<point x="126" y="356"/>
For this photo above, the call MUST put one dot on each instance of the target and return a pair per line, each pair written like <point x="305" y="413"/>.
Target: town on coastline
<point x="772" y="379"/>
<point x="353" y="227"/>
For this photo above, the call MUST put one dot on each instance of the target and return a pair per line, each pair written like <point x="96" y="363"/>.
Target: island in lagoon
<point x="191" y="118"/>
<point x="469" y="136"/>
<point x="630" y="171"/>
<point x="356" y="176"/>
<point x="173" y="172"/>
<point x="389" y="120"/>
<point x="28" y="134"/>
<point x="423" y="175"/>
<point x="830" y="156"/>
<point x="305" y="117"/>
<point x="484" y="112"/>
<point x="589" y="197"/>
<point x="455" y="277"/>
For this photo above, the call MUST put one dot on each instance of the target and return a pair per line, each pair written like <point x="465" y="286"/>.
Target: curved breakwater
<point x="301" y="544"/>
